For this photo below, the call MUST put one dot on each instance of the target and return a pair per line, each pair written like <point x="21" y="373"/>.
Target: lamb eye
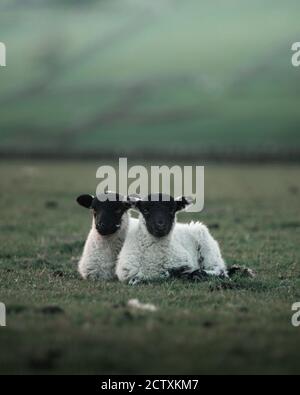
<point x="119" y="211"/>
<point x="146" y="211"/>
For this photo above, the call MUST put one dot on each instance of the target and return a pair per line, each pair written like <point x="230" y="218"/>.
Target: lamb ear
<point x="183" y="202"/>
<point x="85" y="200"/>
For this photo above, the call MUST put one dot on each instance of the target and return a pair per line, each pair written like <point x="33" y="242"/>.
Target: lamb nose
<point x="160" y="224"/>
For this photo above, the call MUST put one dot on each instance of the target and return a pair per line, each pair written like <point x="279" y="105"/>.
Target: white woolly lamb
<point x="156" y="247"/>
<point x="111" y="222"/>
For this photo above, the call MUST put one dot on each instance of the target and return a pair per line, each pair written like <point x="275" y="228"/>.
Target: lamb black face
<point x="108" y="211"/>
<point x="159" y="212"/>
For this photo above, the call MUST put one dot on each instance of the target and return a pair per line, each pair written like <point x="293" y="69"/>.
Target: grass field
<point x="58" y="323"/>
<point x="157" y="75"/>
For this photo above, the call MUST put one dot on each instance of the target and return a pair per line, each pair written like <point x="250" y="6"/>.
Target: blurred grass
<point x="253" y="211"/>
<point x="149" y="75"/>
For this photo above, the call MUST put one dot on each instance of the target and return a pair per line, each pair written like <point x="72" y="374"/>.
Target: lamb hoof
<point x="241" y="271"/>
<point x="197" y="275"/>
<point x="179" y="272"/>
<point x="134" y="281"/>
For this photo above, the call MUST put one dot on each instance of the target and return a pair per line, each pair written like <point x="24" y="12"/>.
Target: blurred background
<point x="157" y="78"/>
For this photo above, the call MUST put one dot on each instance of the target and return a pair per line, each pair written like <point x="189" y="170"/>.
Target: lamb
<point x="111" y="222"/>
<point x="156" y="248"/>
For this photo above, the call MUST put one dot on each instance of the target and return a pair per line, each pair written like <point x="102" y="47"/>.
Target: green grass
<point x="199" y="328"/>
<point x="123" y="75"/>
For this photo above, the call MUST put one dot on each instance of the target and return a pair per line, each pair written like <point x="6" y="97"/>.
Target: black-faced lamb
<point x="158" y="246"/>
<point x="111" y="222"/>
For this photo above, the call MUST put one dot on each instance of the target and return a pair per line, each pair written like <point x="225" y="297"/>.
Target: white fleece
<point x="144" y="257"/>
<point x="100" y="253"/>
